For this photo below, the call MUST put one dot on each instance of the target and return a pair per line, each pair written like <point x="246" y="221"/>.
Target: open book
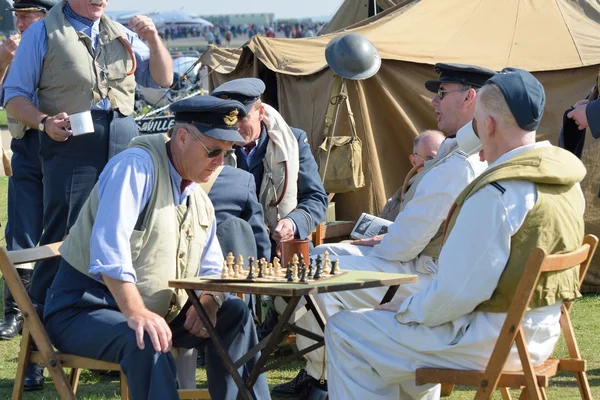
<point x="368" y="226"/>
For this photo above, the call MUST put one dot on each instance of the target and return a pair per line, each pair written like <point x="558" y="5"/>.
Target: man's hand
<point x="578" y="114"/>
<point x="144" y="27"/>
<point x="9" y="48"/>
<point x="145" y="320"/>
<point x="58" y="127"/>
<point x="393" y="305"/>
<point x="283" y="231"/>
<point x="372" y="241"/>
<point x="193" y="324"/>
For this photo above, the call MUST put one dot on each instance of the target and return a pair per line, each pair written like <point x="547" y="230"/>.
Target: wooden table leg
<point x="244" y="391"/>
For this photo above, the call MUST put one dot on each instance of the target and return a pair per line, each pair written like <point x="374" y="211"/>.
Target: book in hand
<point x="368" y="226"/>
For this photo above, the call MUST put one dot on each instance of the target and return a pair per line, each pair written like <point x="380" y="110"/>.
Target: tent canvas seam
<point x="570" y="33"/>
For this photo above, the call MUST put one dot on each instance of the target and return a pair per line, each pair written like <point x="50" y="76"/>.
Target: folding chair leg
<point x="543" y="393"/>
<point x="505" y="394"/>
<point x="524" y="394"/>
<point x="447" y="389"/>
<point x="124" y="387"/>
<point x="24" y="353"/>
<point x="573" y="349"/>
<point x="74" y="379"/>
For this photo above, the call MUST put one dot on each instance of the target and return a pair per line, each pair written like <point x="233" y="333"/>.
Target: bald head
<point x="425" y="146"/>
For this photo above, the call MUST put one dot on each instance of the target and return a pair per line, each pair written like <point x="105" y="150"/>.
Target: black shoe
<point x="268" y="324"/>
<point x="294" y="388"/>
<point x="11" y="326"/>
<point x="34" y="377"/>
<point x="315" y="391"/>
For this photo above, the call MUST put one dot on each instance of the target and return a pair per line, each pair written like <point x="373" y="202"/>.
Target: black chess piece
<point x="289" y="276"/>
<point x="319" y="269"/>
<point x="261" y="267"/>
<point x="335" y="267"/>
<point x="251" y="268"/>
<point x="310" y="268"/>
<point x="303" y="274"/>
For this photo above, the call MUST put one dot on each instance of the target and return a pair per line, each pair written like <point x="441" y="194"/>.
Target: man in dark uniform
<point x="25" y="190"/>
<point x="290" y="191"/>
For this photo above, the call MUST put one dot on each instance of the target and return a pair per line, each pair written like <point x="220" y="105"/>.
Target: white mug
<point x="81" y="123"/>
<point x="468" y="140"/>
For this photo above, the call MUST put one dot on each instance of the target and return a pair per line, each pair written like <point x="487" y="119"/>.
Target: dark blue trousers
<point x="82" y="318"/>
<point x="25" y="193"/>
<point x="71" y="169"/>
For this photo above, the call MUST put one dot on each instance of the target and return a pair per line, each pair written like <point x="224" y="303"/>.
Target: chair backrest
<point x="512" y="331"/>
<point x="8" y="262"/>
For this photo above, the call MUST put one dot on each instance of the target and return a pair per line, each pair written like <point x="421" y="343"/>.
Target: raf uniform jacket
<point x="312" y="198"/>
<point x="234" y="194"/>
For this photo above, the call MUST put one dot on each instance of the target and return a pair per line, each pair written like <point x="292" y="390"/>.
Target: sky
<point x="281" y="8"/>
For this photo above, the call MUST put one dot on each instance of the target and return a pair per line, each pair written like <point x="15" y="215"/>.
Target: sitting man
<point x="240" y="219"/>
<point x="286" y="175"/>
<point x="147" y="222"/>
<point x="414" y="239"/>
<point x="529" y="197"/>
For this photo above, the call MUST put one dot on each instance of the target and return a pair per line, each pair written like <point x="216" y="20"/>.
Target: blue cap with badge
<point x="524" y="95"/>
<point x="214" y="117"/>
<point x="245" y="90"/>
<point x="469" y="75"/>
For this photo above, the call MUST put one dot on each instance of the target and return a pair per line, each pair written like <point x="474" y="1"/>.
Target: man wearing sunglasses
<point x="413" y="242"/>
<point x="146" y="222"/>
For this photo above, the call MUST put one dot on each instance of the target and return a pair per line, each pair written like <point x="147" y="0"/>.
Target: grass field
<point x="92" y="387"/>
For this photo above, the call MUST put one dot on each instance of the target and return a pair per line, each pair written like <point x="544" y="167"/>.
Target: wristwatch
<point x="42" y="125"/>
<point x="217" y="299"/>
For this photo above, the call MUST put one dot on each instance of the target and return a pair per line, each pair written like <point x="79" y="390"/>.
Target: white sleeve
<point x="422" y="217"/>
<point x="474" y="255"/>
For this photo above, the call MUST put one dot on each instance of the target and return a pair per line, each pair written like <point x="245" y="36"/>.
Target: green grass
<point x="3" y="118"/>
<point x="91" y="387"/>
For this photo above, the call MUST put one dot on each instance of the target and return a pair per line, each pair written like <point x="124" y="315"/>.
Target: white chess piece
<point x="224" y="272"/>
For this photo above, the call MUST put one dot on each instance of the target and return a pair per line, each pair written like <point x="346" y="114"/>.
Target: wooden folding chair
<point x="531" y="380"/>
<point x="33" y="331"/>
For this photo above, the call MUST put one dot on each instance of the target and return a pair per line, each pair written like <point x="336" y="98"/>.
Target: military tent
<point x="557" y="40"/>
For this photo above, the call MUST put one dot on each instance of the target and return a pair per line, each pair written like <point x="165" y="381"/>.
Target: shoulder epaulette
<point x="499" y="187"/>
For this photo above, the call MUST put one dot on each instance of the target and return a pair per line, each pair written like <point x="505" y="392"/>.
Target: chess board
<point x="272" y="279"/>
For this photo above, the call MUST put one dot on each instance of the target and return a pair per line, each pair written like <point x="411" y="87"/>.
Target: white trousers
<point x="372" y="356"/>
<point x="342" y="249"/>
<point x="332" y="303"/>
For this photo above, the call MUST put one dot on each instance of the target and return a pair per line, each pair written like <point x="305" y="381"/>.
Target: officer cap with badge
<point x="32" y="5"/>
<point x="469" y="75"/>
<point x="214" y="117"/>
<point x="245" y="90"/>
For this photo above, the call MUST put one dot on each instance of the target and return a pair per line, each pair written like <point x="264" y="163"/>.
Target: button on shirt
<point x="24" y="75"/>
<point x="124" y="189"/>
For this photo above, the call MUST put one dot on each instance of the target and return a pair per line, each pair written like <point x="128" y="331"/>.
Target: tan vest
<point x="73" y="78"/>
<point x="555" y="224"/>
<point x="169" y="244"/>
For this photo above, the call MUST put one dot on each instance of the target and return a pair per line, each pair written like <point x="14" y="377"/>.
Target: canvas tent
<point x="354" y="11"/>
<point x="557" y="40"/>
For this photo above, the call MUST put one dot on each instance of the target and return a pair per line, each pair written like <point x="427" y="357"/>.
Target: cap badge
<point x="231" y="118"/>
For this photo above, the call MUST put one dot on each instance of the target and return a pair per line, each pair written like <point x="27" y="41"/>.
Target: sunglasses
<point x="427" y="158"/>
<point x="212" y="153"/>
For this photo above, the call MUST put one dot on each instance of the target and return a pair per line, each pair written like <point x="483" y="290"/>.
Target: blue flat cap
<point x="470" y="75"/>
<point x="244" y="90"/>
<point x="33" y="5"/>
<point x="524" y="95"/>
<point x="214" y="117"/>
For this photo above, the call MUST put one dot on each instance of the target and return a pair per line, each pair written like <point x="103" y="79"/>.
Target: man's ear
<point x="261" y="112"/>
<point x="412" y="159"/>
<point x="471" y="96"/>
<point x="490" y="125"/>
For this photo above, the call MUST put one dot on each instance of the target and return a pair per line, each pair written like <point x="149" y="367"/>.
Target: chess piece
<point x="295" y="272"/>
<point x="319" y="269"/>
<point x="263" y="264"/>
<point x="225" y="270"/>
<point x="310" y="268"/>
<point x="335" y="267"/>
<point x="261" y="268"/>
<point x="288" y="274"/>
<point x="295" y="259"/>
<point x="303" y="275"/>
<point x="270" y="269"/>
<point x="276" y="265"/>
<point x="250" y="268"/>
<point x="326" y="262"/>
<point x="230" y="259"/>
<point x="236" y="271"/>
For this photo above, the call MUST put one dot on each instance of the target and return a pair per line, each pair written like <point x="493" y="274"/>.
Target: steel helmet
<point x="352" y="56"/>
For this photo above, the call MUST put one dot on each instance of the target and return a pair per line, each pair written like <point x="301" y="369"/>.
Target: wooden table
<point x="352" y="280"/>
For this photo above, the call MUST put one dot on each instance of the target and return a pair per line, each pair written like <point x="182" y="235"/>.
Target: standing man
<point x="78" y="59"/>
<point x="147" y="222"/>
<point x="529" y="197"/>
<point x="25" y="190"/>
<point x="279" y="157"/>
<point x="414" y="240"/>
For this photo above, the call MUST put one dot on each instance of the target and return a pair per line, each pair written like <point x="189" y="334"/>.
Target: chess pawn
<point x="225" y="271"/>
<point x="270" y="269"/>
<point x="336" y="267"/>
<point x="288" y="273"/>
<point x="319" y="269"/>
<point x="326" y="262"/>
<point x="310" y="267"/>
<point x="261" y="268"/>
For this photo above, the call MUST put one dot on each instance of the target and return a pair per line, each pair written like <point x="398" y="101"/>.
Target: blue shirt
<point x="24" y="75"/>
<point x="124" y="189"/>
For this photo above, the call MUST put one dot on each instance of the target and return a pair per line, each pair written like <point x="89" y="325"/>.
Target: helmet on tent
<point x="352" y="56"/>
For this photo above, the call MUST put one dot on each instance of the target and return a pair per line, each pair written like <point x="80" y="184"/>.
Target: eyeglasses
<point x="441" y="92"/>
<point x="427" y="158"/>
<point x="212" y="153"/>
